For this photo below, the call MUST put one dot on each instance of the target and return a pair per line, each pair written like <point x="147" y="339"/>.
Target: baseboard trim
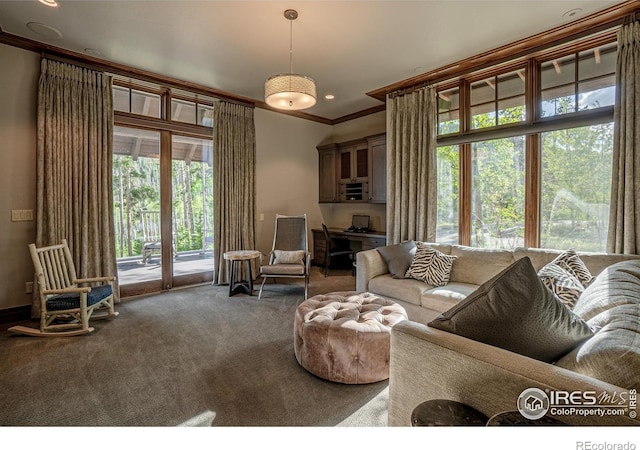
<point x="15" y="314"/>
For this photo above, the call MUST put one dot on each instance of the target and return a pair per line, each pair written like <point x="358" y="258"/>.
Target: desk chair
<point x="332" y="251"/>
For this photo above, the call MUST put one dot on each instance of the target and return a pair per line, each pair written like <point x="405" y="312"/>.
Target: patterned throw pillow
<point x="570" y="258"/>
<point x="430" y="265"/>
<point x="288" y="257"/>
<point x="562" y="281"/>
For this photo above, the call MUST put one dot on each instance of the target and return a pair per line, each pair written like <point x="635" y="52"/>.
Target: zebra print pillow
<point x="570" y="258"/>
<point x="430" y="265"/>
<point x="562" y="281"/>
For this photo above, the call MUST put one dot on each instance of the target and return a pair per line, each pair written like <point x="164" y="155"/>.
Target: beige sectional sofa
<point x="427" y="363"/>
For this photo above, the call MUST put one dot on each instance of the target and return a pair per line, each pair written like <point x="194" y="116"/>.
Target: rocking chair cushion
<point x="72" y="301"/>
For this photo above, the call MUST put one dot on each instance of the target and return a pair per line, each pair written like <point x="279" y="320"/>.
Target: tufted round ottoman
<point x="344" y="336"/>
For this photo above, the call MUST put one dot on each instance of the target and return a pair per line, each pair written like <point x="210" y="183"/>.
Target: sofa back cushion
<point x="477" y="265"/>
<point x="618" y="284"/>
<point x="514" y="310"/>
<point x="611" y="306"/>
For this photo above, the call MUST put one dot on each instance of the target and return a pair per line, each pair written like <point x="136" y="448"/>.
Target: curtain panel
<point x="234" y="185"/>
<point x="74" y="167"/>
<point x="411" y="166"/>
<point x="624" y="215"/>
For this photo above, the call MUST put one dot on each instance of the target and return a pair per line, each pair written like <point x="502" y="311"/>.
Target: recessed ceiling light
<point x="572" y="12"/>
<point x="43" y="30"/>
<point x="49" y="2"/>
<point x="329" y="96"/>
<point x="92" y="51"/>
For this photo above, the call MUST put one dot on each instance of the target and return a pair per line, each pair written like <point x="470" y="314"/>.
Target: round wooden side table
<point x="237" y="286"/>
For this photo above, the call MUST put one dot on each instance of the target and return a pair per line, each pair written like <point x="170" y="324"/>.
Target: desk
<point x="358" y="241"/>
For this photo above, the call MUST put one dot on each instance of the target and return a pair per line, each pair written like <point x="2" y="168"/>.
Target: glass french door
<point x="192" y="209"/>
<point x="163" y="210"/>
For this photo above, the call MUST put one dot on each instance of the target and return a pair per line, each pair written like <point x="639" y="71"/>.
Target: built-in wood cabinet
<point x="377" y="147"/>
<point x="328" y="173"/>
<point x="353" y="171"/>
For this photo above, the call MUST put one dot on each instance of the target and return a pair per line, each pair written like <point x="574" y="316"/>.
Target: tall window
<point x="497" y="193"/>
<point x="448" y="174"/>
<point x="524" y="153"/>
<point x="575" y="187"/>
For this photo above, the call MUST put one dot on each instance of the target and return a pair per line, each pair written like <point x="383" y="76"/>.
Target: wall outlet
<point x="28" y="287"/>
<point x="261" y="217"/>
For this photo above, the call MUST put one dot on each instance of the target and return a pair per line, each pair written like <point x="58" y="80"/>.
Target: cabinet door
<point x="361" y="167"/>
<point x="328" y="186"/>
<point x="346" y="171"/>
<point x="354" y="164"/>
<point x="378" y="170"/>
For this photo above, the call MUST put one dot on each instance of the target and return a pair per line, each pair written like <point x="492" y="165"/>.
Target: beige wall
<point x="287" y="171"/>
<point x="19" y="71"/>
<point x="286" y="181"/>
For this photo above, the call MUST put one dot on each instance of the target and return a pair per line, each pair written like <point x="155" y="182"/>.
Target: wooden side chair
<point x="67" y="302"/>
<point x="152" y="235"/>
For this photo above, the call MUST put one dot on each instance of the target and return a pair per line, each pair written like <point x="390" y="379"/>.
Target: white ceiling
<point x="349" y="47"/>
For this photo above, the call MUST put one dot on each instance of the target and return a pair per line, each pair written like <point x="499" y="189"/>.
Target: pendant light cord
<point x="290" y="46"/>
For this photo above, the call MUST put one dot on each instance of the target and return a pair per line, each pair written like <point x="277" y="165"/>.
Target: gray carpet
<point x="171" y="357"/>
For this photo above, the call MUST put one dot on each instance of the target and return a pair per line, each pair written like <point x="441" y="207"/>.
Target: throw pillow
<point x="398" y="257"/>
<point x="579" y="268"/>
<point x="514" y="310"/>
<point x="430" y="265"/>
<point x="563" y="282"/>
<point x="288" y="257"/>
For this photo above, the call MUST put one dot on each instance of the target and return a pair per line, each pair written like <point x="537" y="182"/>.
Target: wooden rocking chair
<point x="63" y="299"/>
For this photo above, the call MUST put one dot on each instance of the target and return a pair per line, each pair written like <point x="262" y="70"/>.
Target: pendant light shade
<point x="290" y="91"/>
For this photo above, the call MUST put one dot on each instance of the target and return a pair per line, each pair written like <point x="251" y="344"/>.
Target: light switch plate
<point x="21" y="215"/>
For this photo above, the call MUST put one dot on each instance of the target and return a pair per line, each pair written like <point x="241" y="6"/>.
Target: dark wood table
<point x="446" y="413"/>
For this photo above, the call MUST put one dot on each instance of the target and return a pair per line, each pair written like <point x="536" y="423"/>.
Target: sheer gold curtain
<point x="411" y="166"/>
<point x="234" y="183"/>
<point x="624" y="215"/>
<point x="74" y="160"/>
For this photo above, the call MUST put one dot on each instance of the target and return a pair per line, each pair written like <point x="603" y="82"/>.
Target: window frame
<point x="531" y="127"/>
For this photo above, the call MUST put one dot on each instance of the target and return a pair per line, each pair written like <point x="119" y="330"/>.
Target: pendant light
<point x="290" y="91"/>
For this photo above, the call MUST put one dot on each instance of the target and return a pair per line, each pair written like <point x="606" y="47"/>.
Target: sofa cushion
<point x="442" y="298"/>
<point x="618" y="284"/>
<point x="562" y="281"/>
<point x="408" y="290"/>
<point x="514" y="310"/>
<point x="539" y="256"/>
<point x="477" y="265"/>
<point x="430" y="265"/>
<point x="613" y="354"/>
<point x="398" y="257"/>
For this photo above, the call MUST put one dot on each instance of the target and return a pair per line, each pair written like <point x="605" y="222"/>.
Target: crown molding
<point x="599" y="21"/>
